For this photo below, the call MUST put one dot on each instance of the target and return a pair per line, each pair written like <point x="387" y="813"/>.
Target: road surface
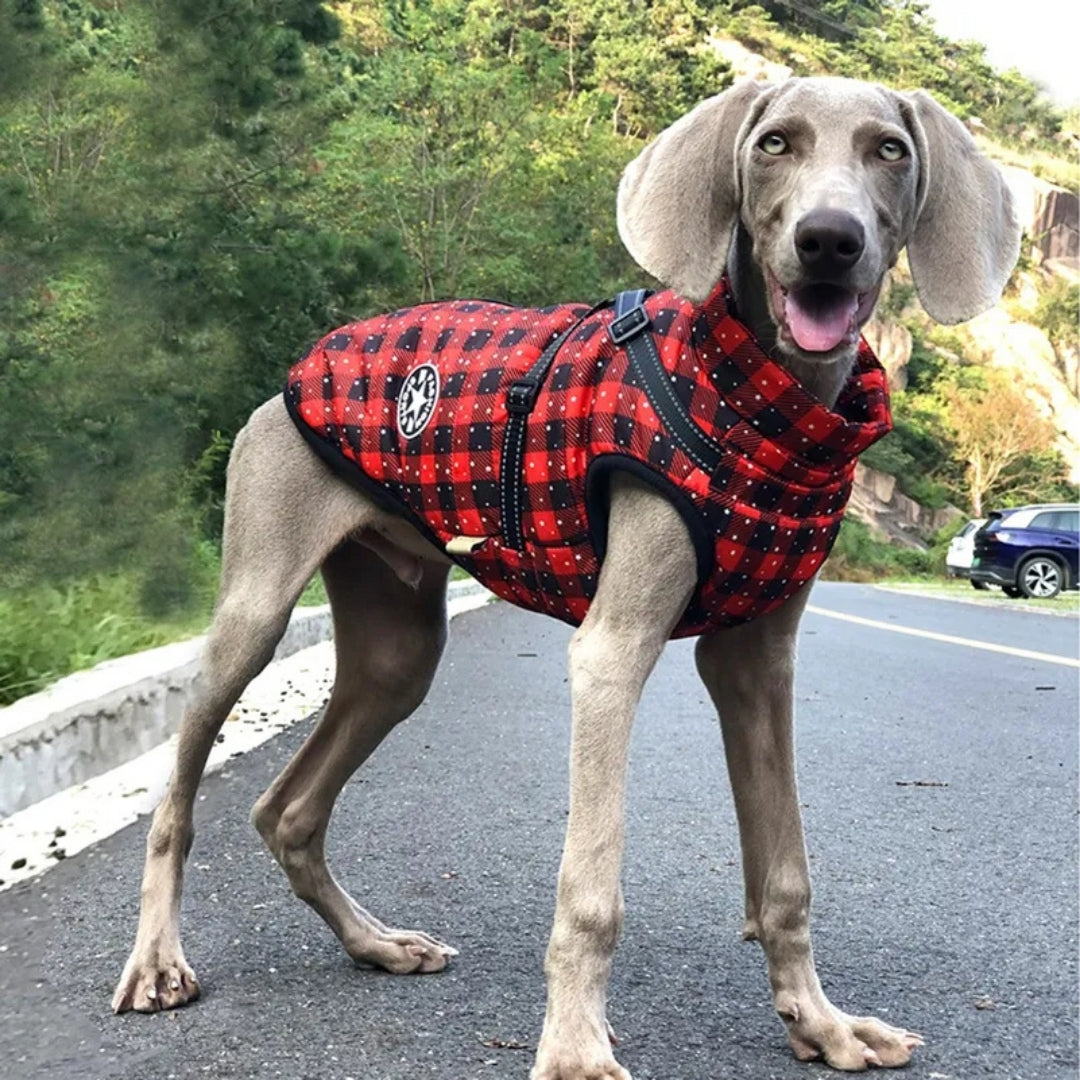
<point x="939" y="783"/>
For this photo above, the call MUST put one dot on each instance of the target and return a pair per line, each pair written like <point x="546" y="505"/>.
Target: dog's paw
<point x="577" y="1059"/>
<point x="401" y="952"/>
<point x="154" y="981"/>
<point x="850" y="1043"/>
<point x="575" y="1068"/>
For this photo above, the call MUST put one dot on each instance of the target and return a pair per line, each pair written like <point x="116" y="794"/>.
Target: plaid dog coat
<point x="432" y="410"/>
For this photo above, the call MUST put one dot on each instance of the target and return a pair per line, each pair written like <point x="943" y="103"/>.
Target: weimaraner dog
<point x="780" y="187"/>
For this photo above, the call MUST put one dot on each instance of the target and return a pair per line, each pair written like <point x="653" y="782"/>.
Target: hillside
<point x="192" y="192"/>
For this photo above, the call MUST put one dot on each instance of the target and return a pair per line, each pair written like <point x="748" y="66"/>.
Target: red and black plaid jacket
<point x="412" y="407"/>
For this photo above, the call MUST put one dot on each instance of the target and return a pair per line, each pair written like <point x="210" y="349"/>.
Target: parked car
<point x="1029" y="550"/>
<point x="961" y="552"/>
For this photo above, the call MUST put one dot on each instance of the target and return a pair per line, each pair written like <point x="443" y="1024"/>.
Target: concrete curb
<point x="95" y="720"/>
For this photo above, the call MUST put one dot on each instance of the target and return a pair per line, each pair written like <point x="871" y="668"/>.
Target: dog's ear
<point x="679" y="198"/>
<point x="966" y="237"/>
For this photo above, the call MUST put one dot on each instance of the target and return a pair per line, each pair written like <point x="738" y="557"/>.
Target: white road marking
<point x="948" y="639"/>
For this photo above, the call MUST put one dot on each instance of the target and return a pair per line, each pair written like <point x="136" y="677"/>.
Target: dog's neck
<point x="823" y="378"/>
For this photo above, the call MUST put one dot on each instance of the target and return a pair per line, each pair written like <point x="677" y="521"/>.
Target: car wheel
<point x="980" y="585"/>
<point x="1011" y="590"/>
<point x="1040" y="578"/>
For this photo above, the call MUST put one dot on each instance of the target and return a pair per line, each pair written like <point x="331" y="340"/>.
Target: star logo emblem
<point x="416" y="402"/>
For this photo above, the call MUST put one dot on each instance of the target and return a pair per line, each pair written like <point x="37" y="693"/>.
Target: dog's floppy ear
<point x="966" y="237"/>
<point x="679" y="198"/>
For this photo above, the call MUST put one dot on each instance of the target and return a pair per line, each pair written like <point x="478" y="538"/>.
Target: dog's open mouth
<point x="819" y="317"/>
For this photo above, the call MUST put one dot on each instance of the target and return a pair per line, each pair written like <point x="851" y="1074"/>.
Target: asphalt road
<point x="948" y="905"/>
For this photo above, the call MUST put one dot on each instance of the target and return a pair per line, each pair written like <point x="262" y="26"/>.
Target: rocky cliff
<point x="1051" y="218"/>
<point x="891" y="515"/>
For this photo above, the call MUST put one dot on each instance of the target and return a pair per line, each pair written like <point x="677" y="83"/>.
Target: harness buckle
<point x="521" y="397"/>
<point x="629" y="325"/>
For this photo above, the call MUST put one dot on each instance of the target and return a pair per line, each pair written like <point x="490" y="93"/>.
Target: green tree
<point x="1004" y="444"/>
<point x="492" y="191"/>
<point x="153" y="298"/>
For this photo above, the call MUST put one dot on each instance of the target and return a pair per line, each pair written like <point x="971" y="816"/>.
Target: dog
<point x="795" y="199"/>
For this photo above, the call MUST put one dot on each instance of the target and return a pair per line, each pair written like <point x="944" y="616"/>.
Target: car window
<point x="1058" y="520"/>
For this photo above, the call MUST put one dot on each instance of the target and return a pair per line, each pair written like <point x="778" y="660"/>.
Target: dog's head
<point x="830" y="179"/>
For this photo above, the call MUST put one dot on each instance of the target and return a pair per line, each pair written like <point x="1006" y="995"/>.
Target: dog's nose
<point x="829" y="241"/>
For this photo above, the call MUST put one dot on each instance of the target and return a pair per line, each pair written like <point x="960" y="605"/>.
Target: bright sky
<point x="1039" y="37"/>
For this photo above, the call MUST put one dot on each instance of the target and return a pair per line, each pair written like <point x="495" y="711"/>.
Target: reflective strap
<point x="626" y="330"/>
<point x="521" y="397"/>
<point x="657" y="383"/>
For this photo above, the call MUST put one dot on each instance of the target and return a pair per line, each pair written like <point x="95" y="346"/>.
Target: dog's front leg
<point x="646" y="581"/>
<point x="749" y="672"/>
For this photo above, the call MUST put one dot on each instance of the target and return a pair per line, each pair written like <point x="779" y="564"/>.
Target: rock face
<point x="1025" y="351"/>
<point x="1057" y="235"/>
<point x="876" y="500"/>
<point x="749" y="65"/>
<point x="891" y="343"/>
<point x="1049" y="214"/>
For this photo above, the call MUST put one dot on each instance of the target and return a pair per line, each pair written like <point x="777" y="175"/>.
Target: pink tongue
<point x="823" y="328"/>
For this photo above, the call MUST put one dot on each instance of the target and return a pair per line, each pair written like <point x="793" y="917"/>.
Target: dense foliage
<point x="896" y="42"/>
<point x="191" y="192"/>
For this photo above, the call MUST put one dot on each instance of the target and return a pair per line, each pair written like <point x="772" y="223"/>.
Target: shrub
<point x="48" y="632"/>
<point x="858" y="555"/>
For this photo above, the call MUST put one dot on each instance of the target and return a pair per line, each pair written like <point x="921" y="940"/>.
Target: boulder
<point x="892" y="515"/>
<point x="745" y="64"/>
<point x="1049" y="214"/>
<point x="891" y="343"/>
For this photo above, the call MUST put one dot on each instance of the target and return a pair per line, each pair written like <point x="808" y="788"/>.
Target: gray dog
<point x="803" y="194"/>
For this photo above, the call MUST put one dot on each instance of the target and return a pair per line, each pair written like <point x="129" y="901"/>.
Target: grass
<point x="49" y="632"/>
<point x="1061" y="170"/>
<point x="858" y="555"/>
<point x="1066" y="603"/>
<point x="46" y="633"/>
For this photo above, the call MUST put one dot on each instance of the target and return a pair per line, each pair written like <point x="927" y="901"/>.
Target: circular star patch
<point x="416" y="402"/>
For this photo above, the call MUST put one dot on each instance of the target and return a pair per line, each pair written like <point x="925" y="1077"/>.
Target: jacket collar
<point x="785" y="427"/>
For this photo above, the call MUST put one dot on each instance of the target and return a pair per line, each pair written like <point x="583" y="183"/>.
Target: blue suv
<point x="1029" y="550"/>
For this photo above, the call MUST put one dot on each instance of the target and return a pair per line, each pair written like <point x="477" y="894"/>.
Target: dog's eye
<point x="773" y="144"/>
<point x="892" y="150"/>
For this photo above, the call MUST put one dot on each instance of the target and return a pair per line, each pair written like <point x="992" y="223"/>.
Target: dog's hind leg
<point x="284" y="513"/>
<point x="388" y="638"/>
